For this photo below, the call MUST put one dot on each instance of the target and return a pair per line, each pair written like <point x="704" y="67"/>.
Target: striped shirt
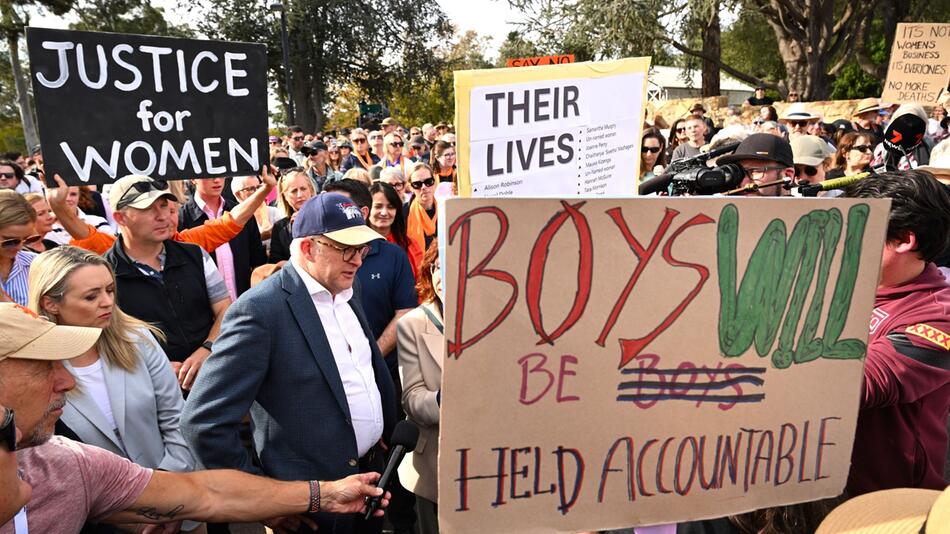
<point x="16" y="284"/>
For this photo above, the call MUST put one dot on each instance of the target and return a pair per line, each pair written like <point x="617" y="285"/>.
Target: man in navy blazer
<point x="297" y="352"/>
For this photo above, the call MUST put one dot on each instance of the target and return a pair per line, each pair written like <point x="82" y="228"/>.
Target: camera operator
<point x="768" y="164"/>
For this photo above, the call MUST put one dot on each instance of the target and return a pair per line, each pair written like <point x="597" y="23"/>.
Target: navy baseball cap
<point x="335" y="216"/>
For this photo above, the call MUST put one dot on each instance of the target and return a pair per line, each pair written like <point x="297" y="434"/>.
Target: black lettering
<point x="545" y="150"/>
<point x="570" y="100"/>
<point x="567" y="150"/>
<point x="494" y="98"/>
<point x="541" y="103"/>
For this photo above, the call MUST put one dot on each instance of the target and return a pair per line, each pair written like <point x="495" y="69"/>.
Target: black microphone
<point x="404" y="439"/>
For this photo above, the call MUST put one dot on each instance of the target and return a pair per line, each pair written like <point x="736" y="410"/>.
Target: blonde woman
<point x="293" y="189"/>
<point x="17" y="232"/>
<point x="127" y="398"/>
<point x="422" y="211"/>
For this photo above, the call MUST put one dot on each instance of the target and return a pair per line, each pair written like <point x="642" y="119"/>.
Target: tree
<point x="516" y="46"/>
<point x="125" y="16"/>
<point x="375" y="44"/>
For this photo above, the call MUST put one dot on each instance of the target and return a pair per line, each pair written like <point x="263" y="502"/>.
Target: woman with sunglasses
<point x="45" y="219"/>
<point x="443" y="160"/>
<point x="293" y="189"/>
<point x="393" y="144"/>
<point x="677" y="136"/>
<point x="422" y="211"/>
<point x="420" y="341"/>
<point x="854" y="154"/>
<point x="385" y="216"/>
<point x="334" y="160"/>
<point x="652" y="154"/>
<point x="127" y="398"/>
<point x="17" y="231"/>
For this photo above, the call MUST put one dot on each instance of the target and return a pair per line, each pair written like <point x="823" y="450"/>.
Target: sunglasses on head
<point x="138" y="189"/>
<point x="428" y="182"/>
<point x="650" y="149"/>
<point x="15" y="242"/>
<point x="862" y="148"/>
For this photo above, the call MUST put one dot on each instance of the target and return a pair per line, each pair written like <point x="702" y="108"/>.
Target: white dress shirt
<point x="353" y="357"/>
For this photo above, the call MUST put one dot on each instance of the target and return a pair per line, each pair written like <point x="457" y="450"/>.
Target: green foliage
<point x="125" y="16"/>
<point x="516" y="46"/>
<point x="749" y="45"/>
<point x="852" y="83"/>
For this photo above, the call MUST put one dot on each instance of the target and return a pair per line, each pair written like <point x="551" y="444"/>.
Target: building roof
<point x="672" y="78"/>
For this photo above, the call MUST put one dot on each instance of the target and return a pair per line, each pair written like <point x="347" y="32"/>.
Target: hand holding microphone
<point x="404" y="439"/>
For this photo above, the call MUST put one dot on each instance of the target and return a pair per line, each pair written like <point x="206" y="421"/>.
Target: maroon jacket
<point x="901" y="437"/>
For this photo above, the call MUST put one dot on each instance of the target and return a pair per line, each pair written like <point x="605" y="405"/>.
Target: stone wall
<point x="671" y="110"/>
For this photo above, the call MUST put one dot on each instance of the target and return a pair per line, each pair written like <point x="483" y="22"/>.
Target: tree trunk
<point x="712" y="48"/>
<point x="13" y="31"/>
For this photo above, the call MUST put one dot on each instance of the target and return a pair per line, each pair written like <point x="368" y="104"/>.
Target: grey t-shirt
<point x="684" y="151"/>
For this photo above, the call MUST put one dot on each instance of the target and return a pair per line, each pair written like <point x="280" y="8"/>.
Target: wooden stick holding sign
<point x="112" y="104"/>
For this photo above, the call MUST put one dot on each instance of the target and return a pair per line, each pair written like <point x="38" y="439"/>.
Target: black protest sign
<point x="111" y="104"/>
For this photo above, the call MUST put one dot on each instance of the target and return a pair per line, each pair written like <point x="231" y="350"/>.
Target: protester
<point x="293" y="190"/>
<point x="395" y="178"/>
<point x="799" y="120"/>
<point x="14" y="491"/>
<point x="13" y="177"/>
<point x="361" y="157"/>
<point x="296" y="139"/>
<point x="812" y="159"/>
<point x="759" y="98"/>
<point x="240" y="255"/>
<point x="17" y="231"/>
<point x="695" y="138"/>
<point x="677" y="136"/>
<point x="128" y="401"/>
<point x="333" y="157"/>
<point x="793" y="97"/>
<point x="318" y="391"/>
<point x="243" y="187"/>
<point x="853" y="155"/>
<point x="422" y="211"/>
<point x="45" y="219"/>
<point x="386" y="218"/>
<point x="768" y="163"/>
<point x="175" y="286"/>
<point x="652" y="154"/>
<point x="376" y="143"/>
<point x="429" y="134"/>
<point x="394" y="158"/>
<point x="360" y="175"/>
<point x="443" y="160"/>
<point x="700" y="110"/>
<point x="865" y="119"/>
<point x="317" y="167"/>
<point x="419" y="150"/>
<point x="73" y="482"/>
<point x="901" y="436"/>
<point x="60" y="235"/>
<point x="421" y="351"/>
<point x="388" y="125"/>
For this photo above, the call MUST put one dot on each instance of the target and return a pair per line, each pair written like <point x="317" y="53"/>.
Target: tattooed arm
<point x="224" y="496"/>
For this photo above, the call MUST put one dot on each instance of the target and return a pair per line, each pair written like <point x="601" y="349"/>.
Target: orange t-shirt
<point x="209" y="236"/>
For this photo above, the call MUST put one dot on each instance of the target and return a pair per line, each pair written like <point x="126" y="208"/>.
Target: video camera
<point x="691" y="176"/>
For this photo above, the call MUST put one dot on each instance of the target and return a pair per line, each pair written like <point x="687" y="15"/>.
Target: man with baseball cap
<point x="175" y="286"/>
<point x="767" y="161"/>
<point x="297" y="352"/>
<point x="73" y="483"/>
<point x="812" y="158"/>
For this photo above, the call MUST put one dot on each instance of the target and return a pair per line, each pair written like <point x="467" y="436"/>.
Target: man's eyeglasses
<point x="807" y="169"/>
<point x="428" y="182"/>
<point x="762" y="170"/>
<point x="16" y="242"/>
<point x="249" y="189"/>
<point x="650" y="149"/>
<point x="138" y="189"/>
<point x="348" y="253"/>
<point x="296" y="138"/>
<point x="862" y="148"/>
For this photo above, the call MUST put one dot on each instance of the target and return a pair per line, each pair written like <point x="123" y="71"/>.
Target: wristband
<point x="207" y="345"/>
<point x="314" y="496"/>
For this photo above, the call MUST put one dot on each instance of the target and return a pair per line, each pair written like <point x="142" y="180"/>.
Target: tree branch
<point x="739" y="75"/>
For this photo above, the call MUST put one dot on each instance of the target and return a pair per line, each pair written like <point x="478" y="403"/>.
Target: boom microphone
<point x="404" y="439"/>
<point x="811" y="190"/>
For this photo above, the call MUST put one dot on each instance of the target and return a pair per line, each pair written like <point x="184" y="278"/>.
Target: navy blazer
<point x="246" y="247"/>
<point x="273" y="358"/>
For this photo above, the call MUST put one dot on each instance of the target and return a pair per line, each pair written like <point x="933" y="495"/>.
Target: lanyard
<point x="19" y="522"/>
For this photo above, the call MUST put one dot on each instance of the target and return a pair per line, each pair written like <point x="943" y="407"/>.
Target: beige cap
<point x="388" y="121"/>
<point x="810" y="150"/>
<point x="895" y="511"/>
<point x="26" y="335"/>
<point x="145" y="195"/>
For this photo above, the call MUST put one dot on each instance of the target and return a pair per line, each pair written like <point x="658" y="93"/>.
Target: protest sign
<point x="111" y="104"/>
<point x="540" y="60"/>
<point x="557" y="130"/>
<point x="919" y="67"/>
<point x="622" y="362"/>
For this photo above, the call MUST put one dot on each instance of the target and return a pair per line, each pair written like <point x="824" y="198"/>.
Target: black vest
<point x="178" y="305"/>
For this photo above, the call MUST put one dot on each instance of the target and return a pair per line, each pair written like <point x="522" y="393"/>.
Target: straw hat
<point x="865" y="105"/>
<point x="896" y="511"/>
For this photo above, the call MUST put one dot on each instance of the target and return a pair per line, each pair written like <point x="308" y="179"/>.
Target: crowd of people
<point x="190" y="344"/>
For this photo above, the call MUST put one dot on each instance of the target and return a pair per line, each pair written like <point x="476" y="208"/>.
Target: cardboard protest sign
<point x="110" y="104"/>
<point x="540" y="60"/>
<point x="622" y="362"/>
<point x="919" y="67"/>
<point x="559" y="130"/>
